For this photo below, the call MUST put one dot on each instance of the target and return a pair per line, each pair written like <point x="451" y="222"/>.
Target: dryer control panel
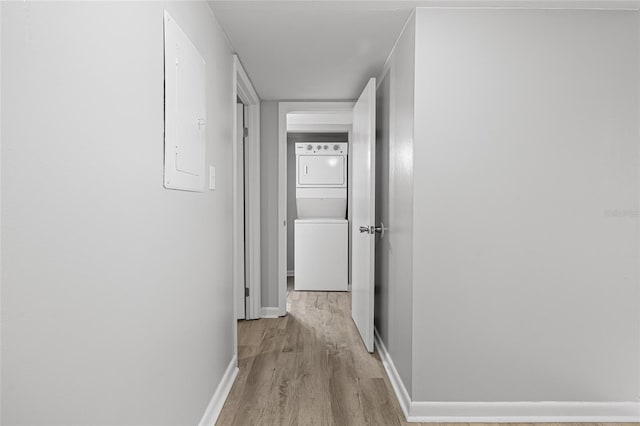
<point x="322" y="148"/>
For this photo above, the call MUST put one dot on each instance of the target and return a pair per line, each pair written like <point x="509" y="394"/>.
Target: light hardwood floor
<point x="309" y="368"/>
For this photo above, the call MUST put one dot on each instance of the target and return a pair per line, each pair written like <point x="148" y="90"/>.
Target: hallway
<point x="310" y="368"/>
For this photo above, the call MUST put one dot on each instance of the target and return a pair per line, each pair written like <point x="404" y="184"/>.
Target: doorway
<point x="296" y="119"/>
<point x="241" y="216"/>
<point x="294" y="138"/>
<point x="246" y="197"/>
<point x="358" y="120"/>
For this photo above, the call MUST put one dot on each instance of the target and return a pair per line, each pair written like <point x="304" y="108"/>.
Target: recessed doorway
<point x="300" y="121"/>
<point x="309" y="139"/>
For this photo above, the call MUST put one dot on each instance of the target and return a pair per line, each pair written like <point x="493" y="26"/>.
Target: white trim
<point x="639" y="159"/>
<point x="318" y="118"/>
<point x="269" y="312"/>
<point x="624" y="5"/>
<point x="0" y="185"/>
<point x="396" y="381"/>
<point x="290" y="273"/>
<point x="283" y="109"/>
<point x="318" y="128"/>
<point x="503" y="412"/>
<point x="244" y="90"/>
<point x="239" y="250"/>
<point x="220" y="395"/>
<point x="524" y="412"/>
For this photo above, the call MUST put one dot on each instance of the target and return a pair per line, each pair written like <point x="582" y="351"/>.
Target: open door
<point x="363" y="188"/>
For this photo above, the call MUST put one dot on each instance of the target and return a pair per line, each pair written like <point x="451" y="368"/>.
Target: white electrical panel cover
<point x="184" y="111"/>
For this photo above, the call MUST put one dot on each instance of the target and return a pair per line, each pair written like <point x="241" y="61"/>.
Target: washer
<point x="321" y="254"/>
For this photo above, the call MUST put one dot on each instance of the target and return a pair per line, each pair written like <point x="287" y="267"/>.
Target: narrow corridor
<point x="309" y="368"/>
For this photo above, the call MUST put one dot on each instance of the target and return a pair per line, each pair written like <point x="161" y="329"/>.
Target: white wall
<point x="269" y="201"/>
<point x="116" y="293"/>
<point x="526" y="206"/>
<point x="394" y="181"/>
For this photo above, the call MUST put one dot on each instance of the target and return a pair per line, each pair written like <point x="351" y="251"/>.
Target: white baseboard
<point x="524" y="412"/>
<point x="220" y="395"/>
<point x="504" y="412"/>
<point x="290" y="273"/>
<point x="269" y="312"/>
<point x="396" y="382"/>
<point x="282" y="311"/>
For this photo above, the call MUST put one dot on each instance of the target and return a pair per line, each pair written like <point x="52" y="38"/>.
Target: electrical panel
<point x="184" y="111"/>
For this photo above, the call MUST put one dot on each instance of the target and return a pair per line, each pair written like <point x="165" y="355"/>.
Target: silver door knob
<point x="364" y="229"/>
<point x="380" y="229"/>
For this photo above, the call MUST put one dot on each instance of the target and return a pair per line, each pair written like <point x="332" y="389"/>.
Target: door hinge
<point x="245" y="132"/>
<point x="246" y="292"/>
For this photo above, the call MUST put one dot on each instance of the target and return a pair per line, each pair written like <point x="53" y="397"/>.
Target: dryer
<point x="321" y="180"/>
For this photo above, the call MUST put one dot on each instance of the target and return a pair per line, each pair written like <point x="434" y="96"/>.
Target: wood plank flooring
<point x="309" y="368"/>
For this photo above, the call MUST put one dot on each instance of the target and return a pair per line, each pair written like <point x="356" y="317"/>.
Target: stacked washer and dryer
<point x="321" y="230"/>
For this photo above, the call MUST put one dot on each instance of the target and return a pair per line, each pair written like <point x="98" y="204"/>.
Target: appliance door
<point x="321" y="170"/>
<point x="321" y="255"/>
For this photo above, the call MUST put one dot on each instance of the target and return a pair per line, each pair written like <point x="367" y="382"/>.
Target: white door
<point x="363" y="148"/>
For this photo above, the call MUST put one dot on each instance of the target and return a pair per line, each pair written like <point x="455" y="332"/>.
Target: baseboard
<point x="269" y="312"/>
<point x="282" y="310"/>
<point x="290" y="273"/>
<point x="503" y="412"/>
<point x="220" y="395"/>
<point x="524" y="412"/>
<point x="396" y="382"/>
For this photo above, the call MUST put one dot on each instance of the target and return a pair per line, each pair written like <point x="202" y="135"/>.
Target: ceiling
<point x="328" y="49"/>
<point x="303" y="50"/>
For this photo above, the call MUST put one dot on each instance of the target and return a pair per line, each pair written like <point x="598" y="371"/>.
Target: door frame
<point x="285" y="108"/>
<point x="243" y="89"/>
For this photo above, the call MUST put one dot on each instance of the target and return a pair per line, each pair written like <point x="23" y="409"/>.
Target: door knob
<point x="364" y="229"/>
<point x="380" y="229"/>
